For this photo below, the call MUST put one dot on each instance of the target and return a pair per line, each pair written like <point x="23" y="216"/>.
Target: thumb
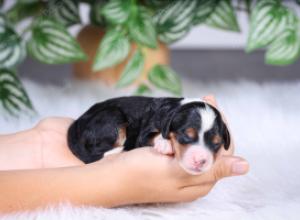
<point x="229" y="166"/>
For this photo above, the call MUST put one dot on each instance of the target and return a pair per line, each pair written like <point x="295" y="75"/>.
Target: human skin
<point x="56" y="175"/>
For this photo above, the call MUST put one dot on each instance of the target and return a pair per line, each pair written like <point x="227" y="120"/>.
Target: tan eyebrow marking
<point x="191" y="132"/>
<point x="217" y="139"/>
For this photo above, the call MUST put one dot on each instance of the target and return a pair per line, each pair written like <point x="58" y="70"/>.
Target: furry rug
<point x="264" y="119"/>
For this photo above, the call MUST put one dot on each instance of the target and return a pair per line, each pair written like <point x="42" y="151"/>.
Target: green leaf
<point x="285" y="49"/>
<point x="112" y="50"/>
<point x="165" y="78"/>
<point x="203" y="10"/>
<point x="268" y="19"/>
<point x="158" y="4"/>
<point x="175" y="20"/>
<point x="12" y="50"/>
<point x="13" y="97"/>
<point x="96" y="16"/>
<point x="141" y="28"/>
<point x="223" y="16"/>
<point x="142" y="89"/>
<point x="24" y="9"/>
<point x="52" y="44"/>
<point x="65" y="12"/>
<point x="132" y="69"/>
<point x="117" y="11"/>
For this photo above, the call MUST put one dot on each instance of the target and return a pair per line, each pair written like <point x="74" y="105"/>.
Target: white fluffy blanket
<point x="264" y="119"/>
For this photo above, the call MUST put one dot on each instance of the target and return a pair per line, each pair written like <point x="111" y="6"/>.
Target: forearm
<point x="20" y="150"/>
<point x="82" y="185"/>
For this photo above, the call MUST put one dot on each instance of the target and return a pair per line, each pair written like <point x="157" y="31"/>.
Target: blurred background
<point x="205" y="53"/>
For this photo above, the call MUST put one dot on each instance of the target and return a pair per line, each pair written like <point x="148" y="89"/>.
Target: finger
<point x="210" y="99"/>
<point x="228" y="166"/>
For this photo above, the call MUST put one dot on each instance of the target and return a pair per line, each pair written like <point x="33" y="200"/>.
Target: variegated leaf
<point x="117" y="11"/>
<point x="175" y="20"/>
<point x="157" y="3"/>
<point x="51" y="43"/>
<point x="268" y="19"/>
<point x="96" y="16"/>
<point x="132" y="69"/>
<point x="285" y="49"/>
<point x="13" y="97"/>
<point x="203" y="10"/>
<point x="141" y="28"/>
<point x="112" y="50"/>
<point x="223" y="16"/>
<point x="65" y="12"/>
<point x="142" y="89"/>
<point x="164" y="77"/>
<point x="12" y="50"/>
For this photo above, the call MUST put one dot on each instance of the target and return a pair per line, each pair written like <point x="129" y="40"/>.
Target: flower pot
<point x="89" y="38"/>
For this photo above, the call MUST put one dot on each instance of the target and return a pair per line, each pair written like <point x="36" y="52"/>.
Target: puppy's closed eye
<point x="188" y="136"/>
<point x="191" y="133"/>
<point x="217" y="139"/>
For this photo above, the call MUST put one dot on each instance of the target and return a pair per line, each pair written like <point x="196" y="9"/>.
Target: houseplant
<point x="273" y="25"/>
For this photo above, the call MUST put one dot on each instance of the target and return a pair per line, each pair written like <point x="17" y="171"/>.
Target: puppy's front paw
<point x="163" y="146"/>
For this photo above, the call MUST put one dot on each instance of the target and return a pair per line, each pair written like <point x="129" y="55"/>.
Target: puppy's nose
<point x="200" y="160"/>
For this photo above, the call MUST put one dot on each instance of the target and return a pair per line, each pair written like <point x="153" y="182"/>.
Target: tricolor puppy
<point x="190" y="128"/>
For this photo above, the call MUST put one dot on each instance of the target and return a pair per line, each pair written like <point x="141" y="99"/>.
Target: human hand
<point x="145" y="176"/>
<point x="145" y="170"/>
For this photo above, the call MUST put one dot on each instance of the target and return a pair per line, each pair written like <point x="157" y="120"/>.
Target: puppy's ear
<point x="166" y="125"/>
<point x="226" y="137"/>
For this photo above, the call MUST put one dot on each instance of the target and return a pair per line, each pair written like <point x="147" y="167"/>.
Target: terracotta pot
<point x="89" y="38"/>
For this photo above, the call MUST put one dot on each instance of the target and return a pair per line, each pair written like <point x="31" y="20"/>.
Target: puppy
<point x="189" y="128"/>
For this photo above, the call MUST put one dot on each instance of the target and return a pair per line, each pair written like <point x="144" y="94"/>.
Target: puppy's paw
<point x="163" y="146"/>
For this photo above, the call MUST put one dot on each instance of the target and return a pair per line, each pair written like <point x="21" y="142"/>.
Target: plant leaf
<point x="13" y="96"/>
<point x="141" y="28"/>
<point x="52" y="44"/>
<point x="268" y="19"/>
<point x="203" y="10"/>
<point x="142" y="89"/>
<point x="223" y="16"/>
<point x="158" y="4"/>
<point x="175" y="20"/>
<point x="112" y="50"/>
<point x="165" y="78"/>
<point x="96" y="16"/>
<point x="285" y="49"/>
<point x="132" y="69"/>
<point x="65" y="12"/>
<point x="12" y="49"/>
<point x="117" y="11"/>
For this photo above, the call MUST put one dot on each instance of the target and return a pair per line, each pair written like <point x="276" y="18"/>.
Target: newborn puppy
<point x="190" y="128"/>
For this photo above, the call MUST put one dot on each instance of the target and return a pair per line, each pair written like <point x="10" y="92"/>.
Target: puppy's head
<point x="197" y="133"/>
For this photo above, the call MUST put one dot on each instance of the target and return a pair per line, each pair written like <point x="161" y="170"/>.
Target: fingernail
<point x="240" y="167"/>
